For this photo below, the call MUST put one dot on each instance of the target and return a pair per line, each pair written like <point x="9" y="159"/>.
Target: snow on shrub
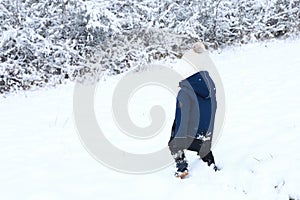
<point x="46" y="42"/>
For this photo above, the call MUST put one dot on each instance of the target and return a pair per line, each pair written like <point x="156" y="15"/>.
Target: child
<point x="194" y="118"/>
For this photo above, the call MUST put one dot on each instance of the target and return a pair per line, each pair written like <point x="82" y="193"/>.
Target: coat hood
<point x="196" y="83"/>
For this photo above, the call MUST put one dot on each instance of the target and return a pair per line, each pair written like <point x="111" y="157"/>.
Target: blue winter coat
<point x="195" y="112"/>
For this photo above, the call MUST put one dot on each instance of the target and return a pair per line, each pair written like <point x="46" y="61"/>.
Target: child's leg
<point x="180" y="160"/>
<point x="209" y="159"/>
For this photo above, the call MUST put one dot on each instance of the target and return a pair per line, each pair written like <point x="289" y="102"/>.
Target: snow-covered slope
<point x="41" y="156"/>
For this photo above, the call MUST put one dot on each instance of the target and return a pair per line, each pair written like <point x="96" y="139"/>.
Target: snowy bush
<point x="46" y="42"/>
<point x="41" y="43"/>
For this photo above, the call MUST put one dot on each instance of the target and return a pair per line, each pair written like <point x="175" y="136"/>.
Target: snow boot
<point x="181" y="164"/>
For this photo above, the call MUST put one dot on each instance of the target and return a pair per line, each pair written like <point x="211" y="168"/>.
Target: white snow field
<point x="42" y="158"/>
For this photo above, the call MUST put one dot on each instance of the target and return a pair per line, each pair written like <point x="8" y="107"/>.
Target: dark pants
<point x="201" y="147"/>
<point x="182" y="165"/>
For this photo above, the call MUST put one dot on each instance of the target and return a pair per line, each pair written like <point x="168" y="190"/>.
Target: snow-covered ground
<point x="42" y="158"/>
